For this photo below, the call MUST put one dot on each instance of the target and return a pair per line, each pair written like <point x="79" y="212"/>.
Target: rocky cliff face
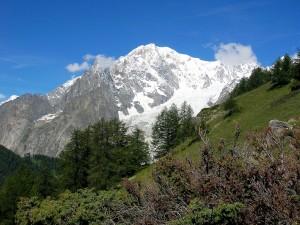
<point x="135" y="89"/>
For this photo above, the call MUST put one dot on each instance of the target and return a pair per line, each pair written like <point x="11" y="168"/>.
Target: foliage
<point x="172" y="126"/>
<point x="259" y="184"/>
<point x="295" y="85"/>
<point x="34" y="176"/>
<point x="257" y="78"/>
<point x="254" y="181"/>
<point x="221" y="215"/>
<point x="74" y="161"/>
<point x="231" y="107"/>
<point x="186" y="124"/>
<point x="101" y="155"/>
<point x="98" y="156"/>
<point x="83" y="207"/>
<point x="9" y="162"/>
<point x="281" y="72"/>
<point x="296" y="70"/>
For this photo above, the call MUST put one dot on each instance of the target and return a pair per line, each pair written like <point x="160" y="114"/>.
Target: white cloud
<point x="2" y="96"/>
<point x="101" y="60"/>
<point x="89" y="57"/>
<point x="235" y="53"/>
<point x="76" y="67"/>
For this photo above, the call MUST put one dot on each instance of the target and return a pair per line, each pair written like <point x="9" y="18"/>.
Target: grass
<point x="257" y="108"/>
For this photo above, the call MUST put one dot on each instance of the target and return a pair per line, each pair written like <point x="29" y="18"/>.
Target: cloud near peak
<point x="88" y="59"/>
<point x="235" y="54"/>
<point x="76" y="67"/>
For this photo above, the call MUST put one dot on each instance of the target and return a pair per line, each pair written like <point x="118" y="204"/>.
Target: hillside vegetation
<point x="257" y="108"/>
<point x="228" y="165"/>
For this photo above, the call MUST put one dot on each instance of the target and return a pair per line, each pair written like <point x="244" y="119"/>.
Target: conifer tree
<point x="296" y="73"/>
<point x="137" y="152"/>
<point x="165" y="131"/>
<point x="74" y="161"/>
<point x="281" y="73"/>
<point x="98" y="173"/>
<point x="186" y="128"/>
<point x="297" y="67"/>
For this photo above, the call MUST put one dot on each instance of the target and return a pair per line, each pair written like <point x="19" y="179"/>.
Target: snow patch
<point x="49" y="117"/>
<point x="69" y="83"/>
<point x="11" y="98"/>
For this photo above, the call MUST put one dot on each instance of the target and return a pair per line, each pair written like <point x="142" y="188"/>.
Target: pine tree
<point x="286" y="67"/>
<point x="296" y="73"/>
<point x="165" y="131"/>
<point x="99" y="161"/>
<point x="74" y="161"/>
<point x="173" y="120"/>
<point x="186" y="128"/>
<point x="101" y="155"/>
<point x="258" y="77"/>
<point x="297" y="67"/>
<point x="106" y="163"/>
<point x="281" y="73"/>
<point x="44" y="183"/>
<point x="159" y="139"/>
<point x="136" y="154"/>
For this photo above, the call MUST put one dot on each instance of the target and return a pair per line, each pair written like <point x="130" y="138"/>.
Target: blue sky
<point x="38" y="39"/>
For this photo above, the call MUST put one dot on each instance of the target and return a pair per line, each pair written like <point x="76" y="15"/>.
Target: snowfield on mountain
<point x="135" y="88"/>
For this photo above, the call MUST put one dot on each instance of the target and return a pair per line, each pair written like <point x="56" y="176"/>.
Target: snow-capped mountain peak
<point x="59" y="92"/>
<point x="11" y="98"/>
<point x="134" y="87"/>
<point x="151" y="77"/>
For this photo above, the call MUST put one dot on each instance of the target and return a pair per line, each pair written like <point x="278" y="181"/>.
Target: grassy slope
<point x="258" y="107"/>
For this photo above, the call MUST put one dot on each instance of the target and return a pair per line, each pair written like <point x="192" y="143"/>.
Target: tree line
<point x="285" y="71"/>
<point x="96" y="157"/>
<point x="100" y="155"/>
<point x="26" y="176"/>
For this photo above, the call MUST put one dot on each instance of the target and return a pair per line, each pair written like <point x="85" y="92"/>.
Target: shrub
<point x="295" y="85"/>
<point x="223" y="214"/>
<point x="231" y="107"/>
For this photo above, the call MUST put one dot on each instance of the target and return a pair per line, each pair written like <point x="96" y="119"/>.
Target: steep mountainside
<point x="135" y="88"/>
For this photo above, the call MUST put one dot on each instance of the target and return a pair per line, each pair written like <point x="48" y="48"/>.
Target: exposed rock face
<point x="135" y="89"/>
<point x="277" y="124"/>
<point x="17" y="119"/>
<point x="284" y="131"/>
<point x="37" y="125"/>
<point x="225" y="93"/>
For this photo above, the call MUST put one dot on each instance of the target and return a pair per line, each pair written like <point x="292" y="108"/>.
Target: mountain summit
<point x="135" y="88"/>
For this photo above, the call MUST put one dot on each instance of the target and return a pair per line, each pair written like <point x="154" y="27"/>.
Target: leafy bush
<point x="223" y="214"/>
<point x="83" y="207"/>
<point x="259" y="184"/>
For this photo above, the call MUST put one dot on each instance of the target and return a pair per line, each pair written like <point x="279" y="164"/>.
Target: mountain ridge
<point x="134" y="88"/>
